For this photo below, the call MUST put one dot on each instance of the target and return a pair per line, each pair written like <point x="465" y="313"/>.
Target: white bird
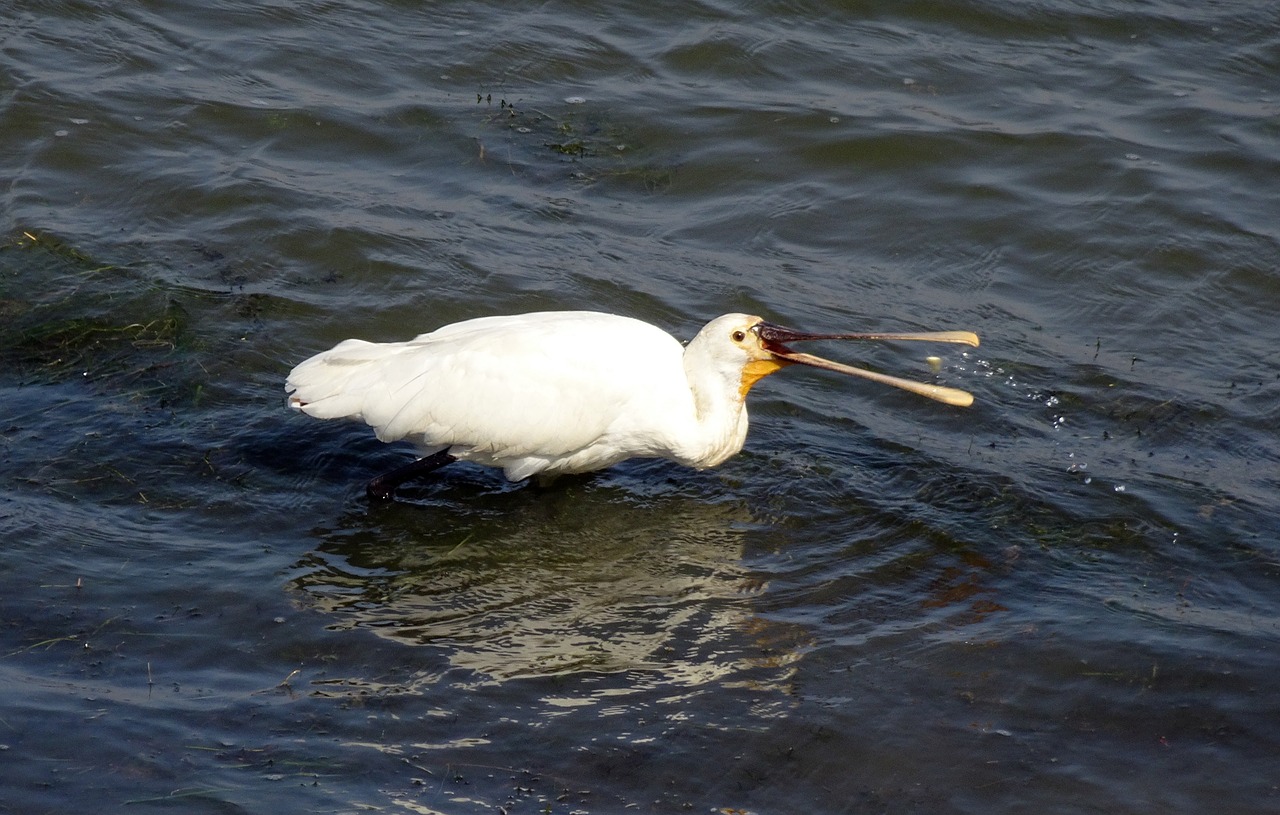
<point x="565" y="391"/>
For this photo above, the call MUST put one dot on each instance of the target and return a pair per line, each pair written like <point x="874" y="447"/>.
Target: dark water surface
<point x="1063" y="599"/>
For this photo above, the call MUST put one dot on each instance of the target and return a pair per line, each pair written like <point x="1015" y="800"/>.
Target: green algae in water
<point x="70" y="314"/>
<point x="120" y="382"/>
<point x="599" y="147"/>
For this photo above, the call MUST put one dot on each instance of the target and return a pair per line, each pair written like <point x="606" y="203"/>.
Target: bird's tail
<point x="334" y="384"/>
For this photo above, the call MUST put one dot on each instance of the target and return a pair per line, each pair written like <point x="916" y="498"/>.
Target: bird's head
<point x="757" y="348"/>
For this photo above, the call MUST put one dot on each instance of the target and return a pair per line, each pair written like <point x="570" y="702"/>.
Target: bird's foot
<point x="379" y="490"/>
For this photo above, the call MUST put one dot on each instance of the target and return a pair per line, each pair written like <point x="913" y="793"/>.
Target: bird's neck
<point x="720" y="415"/>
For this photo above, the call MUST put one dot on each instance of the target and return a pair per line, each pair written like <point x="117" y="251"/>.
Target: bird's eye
<point x="739" y="335"/>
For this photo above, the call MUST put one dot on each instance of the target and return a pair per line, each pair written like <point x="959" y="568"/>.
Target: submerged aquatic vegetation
<point x="94" y="345"/>
<point x="70" y="314"/>
<point x="119" y="380"/>
<point x="600" y="147"/>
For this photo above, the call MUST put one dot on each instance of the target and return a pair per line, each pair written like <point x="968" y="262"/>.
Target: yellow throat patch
<point x="758" y="369"/>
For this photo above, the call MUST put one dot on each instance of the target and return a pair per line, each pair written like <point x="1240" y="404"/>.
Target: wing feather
<point x="534" y="387"/>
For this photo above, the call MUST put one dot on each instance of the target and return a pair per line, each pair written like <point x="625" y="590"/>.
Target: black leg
<point x="383" y="488"/>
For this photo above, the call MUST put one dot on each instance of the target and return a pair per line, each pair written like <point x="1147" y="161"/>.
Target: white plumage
<point x="560" y="392"/>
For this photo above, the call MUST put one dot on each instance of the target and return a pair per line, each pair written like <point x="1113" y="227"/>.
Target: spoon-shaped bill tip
<point x="957" y="337"/>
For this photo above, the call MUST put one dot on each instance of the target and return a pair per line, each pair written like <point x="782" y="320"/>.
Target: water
<point x="1064" y="598"/>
